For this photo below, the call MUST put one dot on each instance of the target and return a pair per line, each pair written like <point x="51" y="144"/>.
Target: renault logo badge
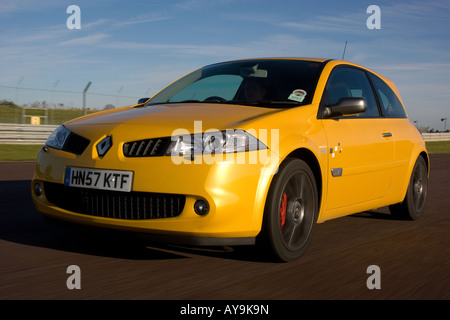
<point x="104" y="145"/>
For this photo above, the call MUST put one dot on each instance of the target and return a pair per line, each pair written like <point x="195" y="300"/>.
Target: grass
<point x="9" y="152"/>
<point x="438" y="146"/>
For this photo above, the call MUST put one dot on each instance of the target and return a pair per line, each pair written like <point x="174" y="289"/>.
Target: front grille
<point x="75" y="144"/>
<point x="115" y="204"/>
<point x="147" y="148"/>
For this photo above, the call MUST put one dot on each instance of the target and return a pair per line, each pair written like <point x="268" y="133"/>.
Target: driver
<point x="254" y="89"/>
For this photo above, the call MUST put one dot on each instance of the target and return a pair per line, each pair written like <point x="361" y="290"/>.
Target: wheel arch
<point x="410" y="208"/>
<point x="426" y="157"/>
<point x="405" y="180"/>
<point x="302" y="153"/>
<point x="311" y="160"/>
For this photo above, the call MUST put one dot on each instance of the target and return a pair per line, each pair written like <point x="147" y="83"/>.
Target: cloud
<point x="274" y="45"/>
<point x="177" y="49"/>
<point x="37" y="35"/>
<point x="45" y="35"/>
<point x="13" y="6"/>
<point x="142" y="19"/>
<point x="417" y="11"/>
<point x="96" y="23"/>
<point x="86" y="40"/>
<point x="352" y="24"/>
<point x="430" y="67"/>
<point x="201" y="4"/>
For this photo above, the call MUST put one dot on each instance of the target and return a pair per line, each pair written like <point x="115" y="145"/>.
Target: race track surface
<point x="413" y="257"/>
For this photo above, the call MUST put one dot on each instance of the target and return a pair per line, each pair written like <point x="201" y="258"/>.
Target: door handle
<point x="387" y="134"/>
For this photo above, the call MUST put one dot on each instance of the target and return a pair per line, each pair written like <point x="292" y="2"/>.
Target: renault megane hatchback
<point x="237" y="152"/>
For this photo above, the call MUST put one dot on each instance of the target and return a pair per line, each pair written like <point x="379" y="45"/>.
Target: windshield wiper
<point x="169" y="102"/>
<point x="174" y="102"/>
<point x="271" y="103"/>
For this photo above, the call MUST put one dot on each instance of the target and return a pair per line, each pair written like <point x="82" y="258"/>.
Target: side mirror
<point x="142" y="100"/>
<point x="345" y="107"/>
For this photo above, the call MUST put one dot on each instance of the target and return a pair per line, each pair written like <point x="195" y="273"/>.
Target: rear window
<point x="390" y="104"/>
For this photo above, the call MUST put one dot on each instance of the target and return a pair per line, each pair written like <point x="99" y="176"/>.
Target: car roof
<point x="280" y="58"/>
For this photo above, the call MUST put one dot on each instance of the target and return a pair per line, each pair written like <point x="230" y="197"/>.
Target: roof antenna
<point x="345" y="47"/>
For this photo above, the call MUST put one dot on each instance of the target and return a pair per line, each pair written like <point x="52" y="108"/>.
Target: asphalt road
<point x="413" y="257"/>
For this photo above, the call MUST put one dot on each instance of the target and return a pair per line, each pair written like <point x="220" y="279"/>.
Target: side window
<point x="351" y="83"/>
<point x="391" y="105"/>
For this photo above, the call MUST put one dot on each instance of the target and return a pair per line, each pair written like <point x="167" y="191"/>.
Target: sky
<point x="133" y="49"/>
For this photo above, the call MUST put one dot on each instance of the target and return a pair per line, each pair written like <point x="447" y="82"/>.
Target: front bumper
<point x="234" y="189"/>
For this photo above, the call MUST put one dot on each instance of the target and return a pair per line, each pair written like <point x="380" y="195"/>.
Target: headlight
<point x="58" y="137"/>
<point x="216" y="142"/>
<point x="66" y="140"/>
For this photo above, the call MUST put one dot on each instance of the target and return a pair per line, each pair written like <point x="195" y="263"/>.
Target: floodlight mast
<point x="84" y="97"/>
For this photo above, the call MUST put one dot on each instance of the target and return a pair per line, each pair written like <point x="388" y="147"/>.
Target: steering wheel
<point x="214" y="99"/>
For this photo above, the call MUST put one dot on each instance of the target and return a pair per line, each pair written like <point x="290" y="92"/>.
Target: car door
<point x="360" y="148"/>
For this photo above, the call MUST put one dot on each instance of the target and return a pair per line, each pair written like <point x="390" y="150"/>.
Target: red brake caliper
<point x="283" y="210"/>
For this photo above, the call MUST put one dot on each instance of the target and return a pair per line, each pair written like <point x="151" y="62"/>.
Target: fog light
<point x="37" y="189"/>
<point x="201" y="207"/>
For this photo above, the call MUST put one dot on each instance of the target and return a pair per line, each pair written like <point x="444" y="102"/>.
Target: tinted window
<point x="208" y="87"/>
<point x="346" y="82"/>
<point x="390" y="104"/>
<point x="272" y="83"/>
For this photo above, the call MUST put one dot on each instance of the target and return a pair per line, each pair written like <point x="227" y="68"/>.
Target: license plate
<point x="99" y="179"/>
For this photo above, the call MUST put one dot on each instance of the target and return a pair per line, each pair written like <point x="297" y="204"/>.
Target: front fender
<point x="312" y="150"/>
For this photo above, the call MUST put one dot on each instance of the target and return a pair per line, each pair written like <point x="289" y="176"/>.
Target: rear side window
<point x="390" y="104"/>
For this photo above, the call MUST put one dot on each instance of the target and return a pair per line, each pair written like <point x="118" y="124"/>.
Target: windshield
<point x="272" y="83"/>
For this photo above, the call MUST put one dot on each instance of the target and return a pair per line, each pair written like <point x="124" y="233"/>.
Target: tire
<point x="291" y="211"/>
<point x="413" y="205"/>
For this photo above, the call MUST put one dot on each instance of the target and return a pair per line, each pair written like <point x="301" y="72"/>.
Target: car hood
<point x="164" y="119"/>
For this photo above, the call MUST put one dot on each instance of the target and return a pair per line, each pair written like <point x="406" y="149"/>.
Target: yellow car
<point x="239" y="153"/>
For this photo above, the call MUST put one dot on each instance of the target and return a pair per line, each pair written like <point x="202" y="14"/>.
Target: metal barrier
<point x="438" y="136"/>
<point x="38" y="134"/>
<point x="24" y="133"/>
